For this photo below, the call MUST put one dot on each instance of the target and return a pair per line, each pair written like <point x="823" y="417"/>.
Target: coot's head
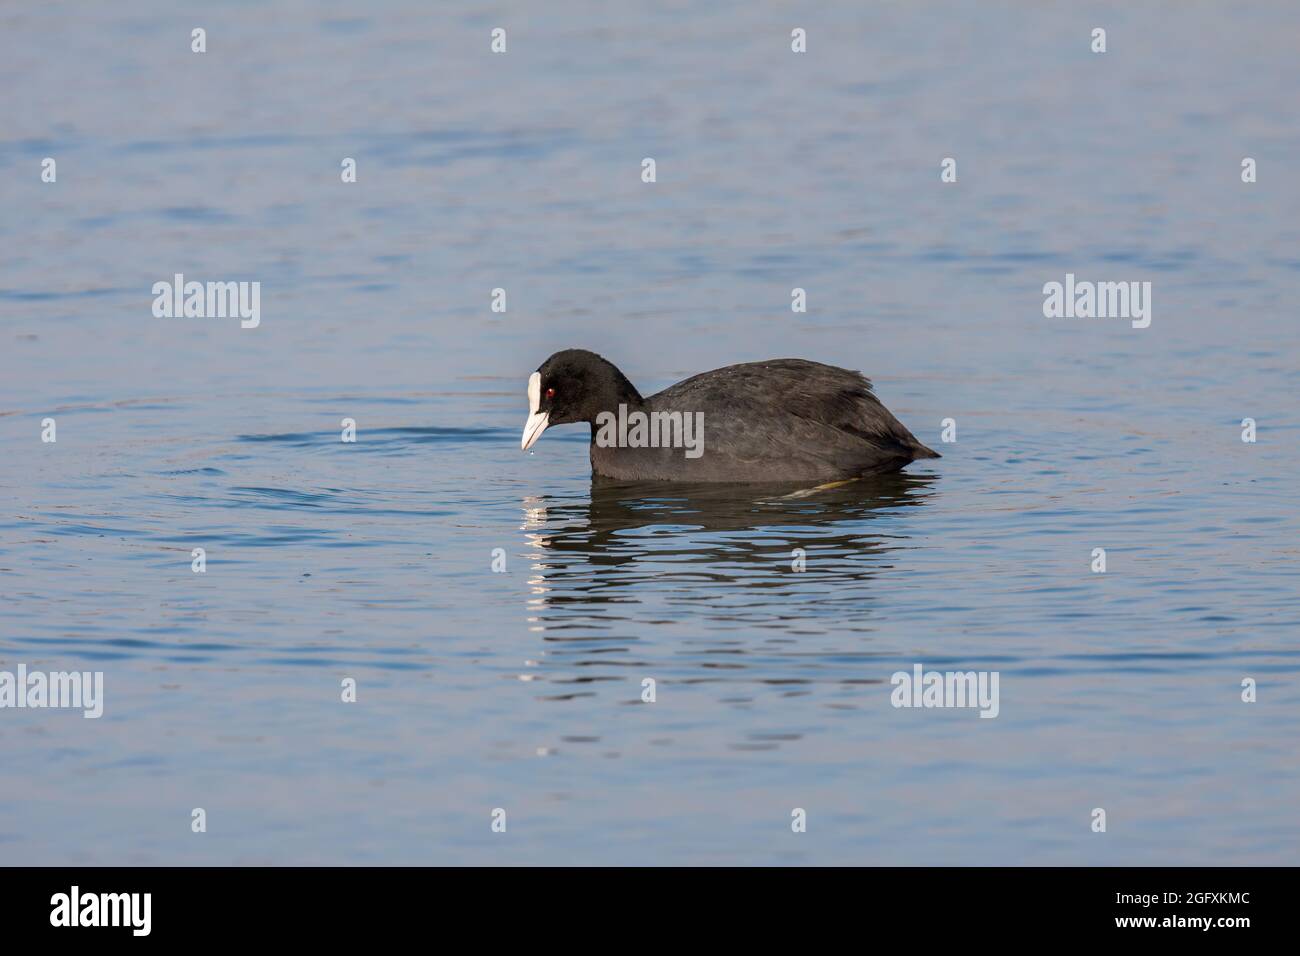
<point x="574" y="386"/>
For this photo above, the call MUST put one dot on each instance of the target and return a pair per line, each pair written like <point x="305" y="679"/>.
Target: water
<point x="522" y="690"/>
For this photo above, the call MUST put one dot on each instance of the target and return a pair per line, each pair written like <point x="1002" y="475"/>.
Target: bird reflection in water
<point x="633" y="557"/>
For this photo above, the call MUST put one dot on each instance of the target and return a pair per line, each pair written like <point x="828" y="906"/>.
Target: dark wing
<point x="796" y="407"/>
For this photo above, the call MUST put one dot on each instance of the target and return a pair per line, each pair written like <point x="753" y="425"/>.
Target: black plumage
<point x="775" y="421"/>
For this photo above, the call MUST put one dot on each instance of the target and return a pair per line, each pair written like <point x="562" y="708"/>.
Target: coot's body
<point x="782" y="420"/>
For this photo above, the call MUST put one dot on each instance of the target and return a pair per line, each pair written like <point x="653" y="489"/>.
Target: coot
<point x="785" y="420"/>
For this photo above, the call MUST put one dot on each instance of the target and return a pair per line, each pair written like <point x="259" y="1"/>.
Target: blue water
<point x="521" y="690"/>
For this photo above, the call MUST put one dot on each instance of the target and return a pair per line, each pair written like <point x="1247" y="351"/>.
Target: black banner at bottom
<point x="338" y="905"/>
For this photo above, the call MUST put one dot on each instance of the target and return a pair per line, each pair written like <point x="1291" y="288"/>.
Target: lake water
<point x="522" y="690"/>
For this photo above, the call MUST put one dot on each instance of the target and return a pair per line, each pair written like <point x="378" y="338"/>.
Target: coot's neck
<point x="625" y="392"/>
<point x="616" y="390"/>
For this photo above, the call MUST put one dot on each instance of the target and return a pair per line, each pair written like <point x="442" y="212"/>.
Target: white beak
<point x="533" y="429"/>
<point x="537" y="420"/>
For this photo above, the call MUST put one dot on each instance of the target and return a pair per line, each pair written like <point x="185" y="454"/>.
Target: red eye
<point x="550" y="393"/>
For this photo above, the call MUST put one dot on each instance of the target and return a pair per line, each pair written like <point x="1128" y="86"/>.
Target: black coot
<point x="786" y="420"/>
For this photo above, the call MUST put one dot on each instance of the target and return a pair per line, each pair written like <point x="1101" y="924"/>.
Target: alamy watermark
<point x="1098" y="300"/>
<point x="75" y="908"/>
<point x="211" y="300"/>
<point x="638" y="429"/>
<point x="922" y="688"/>
<point x="77" y="690"/>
